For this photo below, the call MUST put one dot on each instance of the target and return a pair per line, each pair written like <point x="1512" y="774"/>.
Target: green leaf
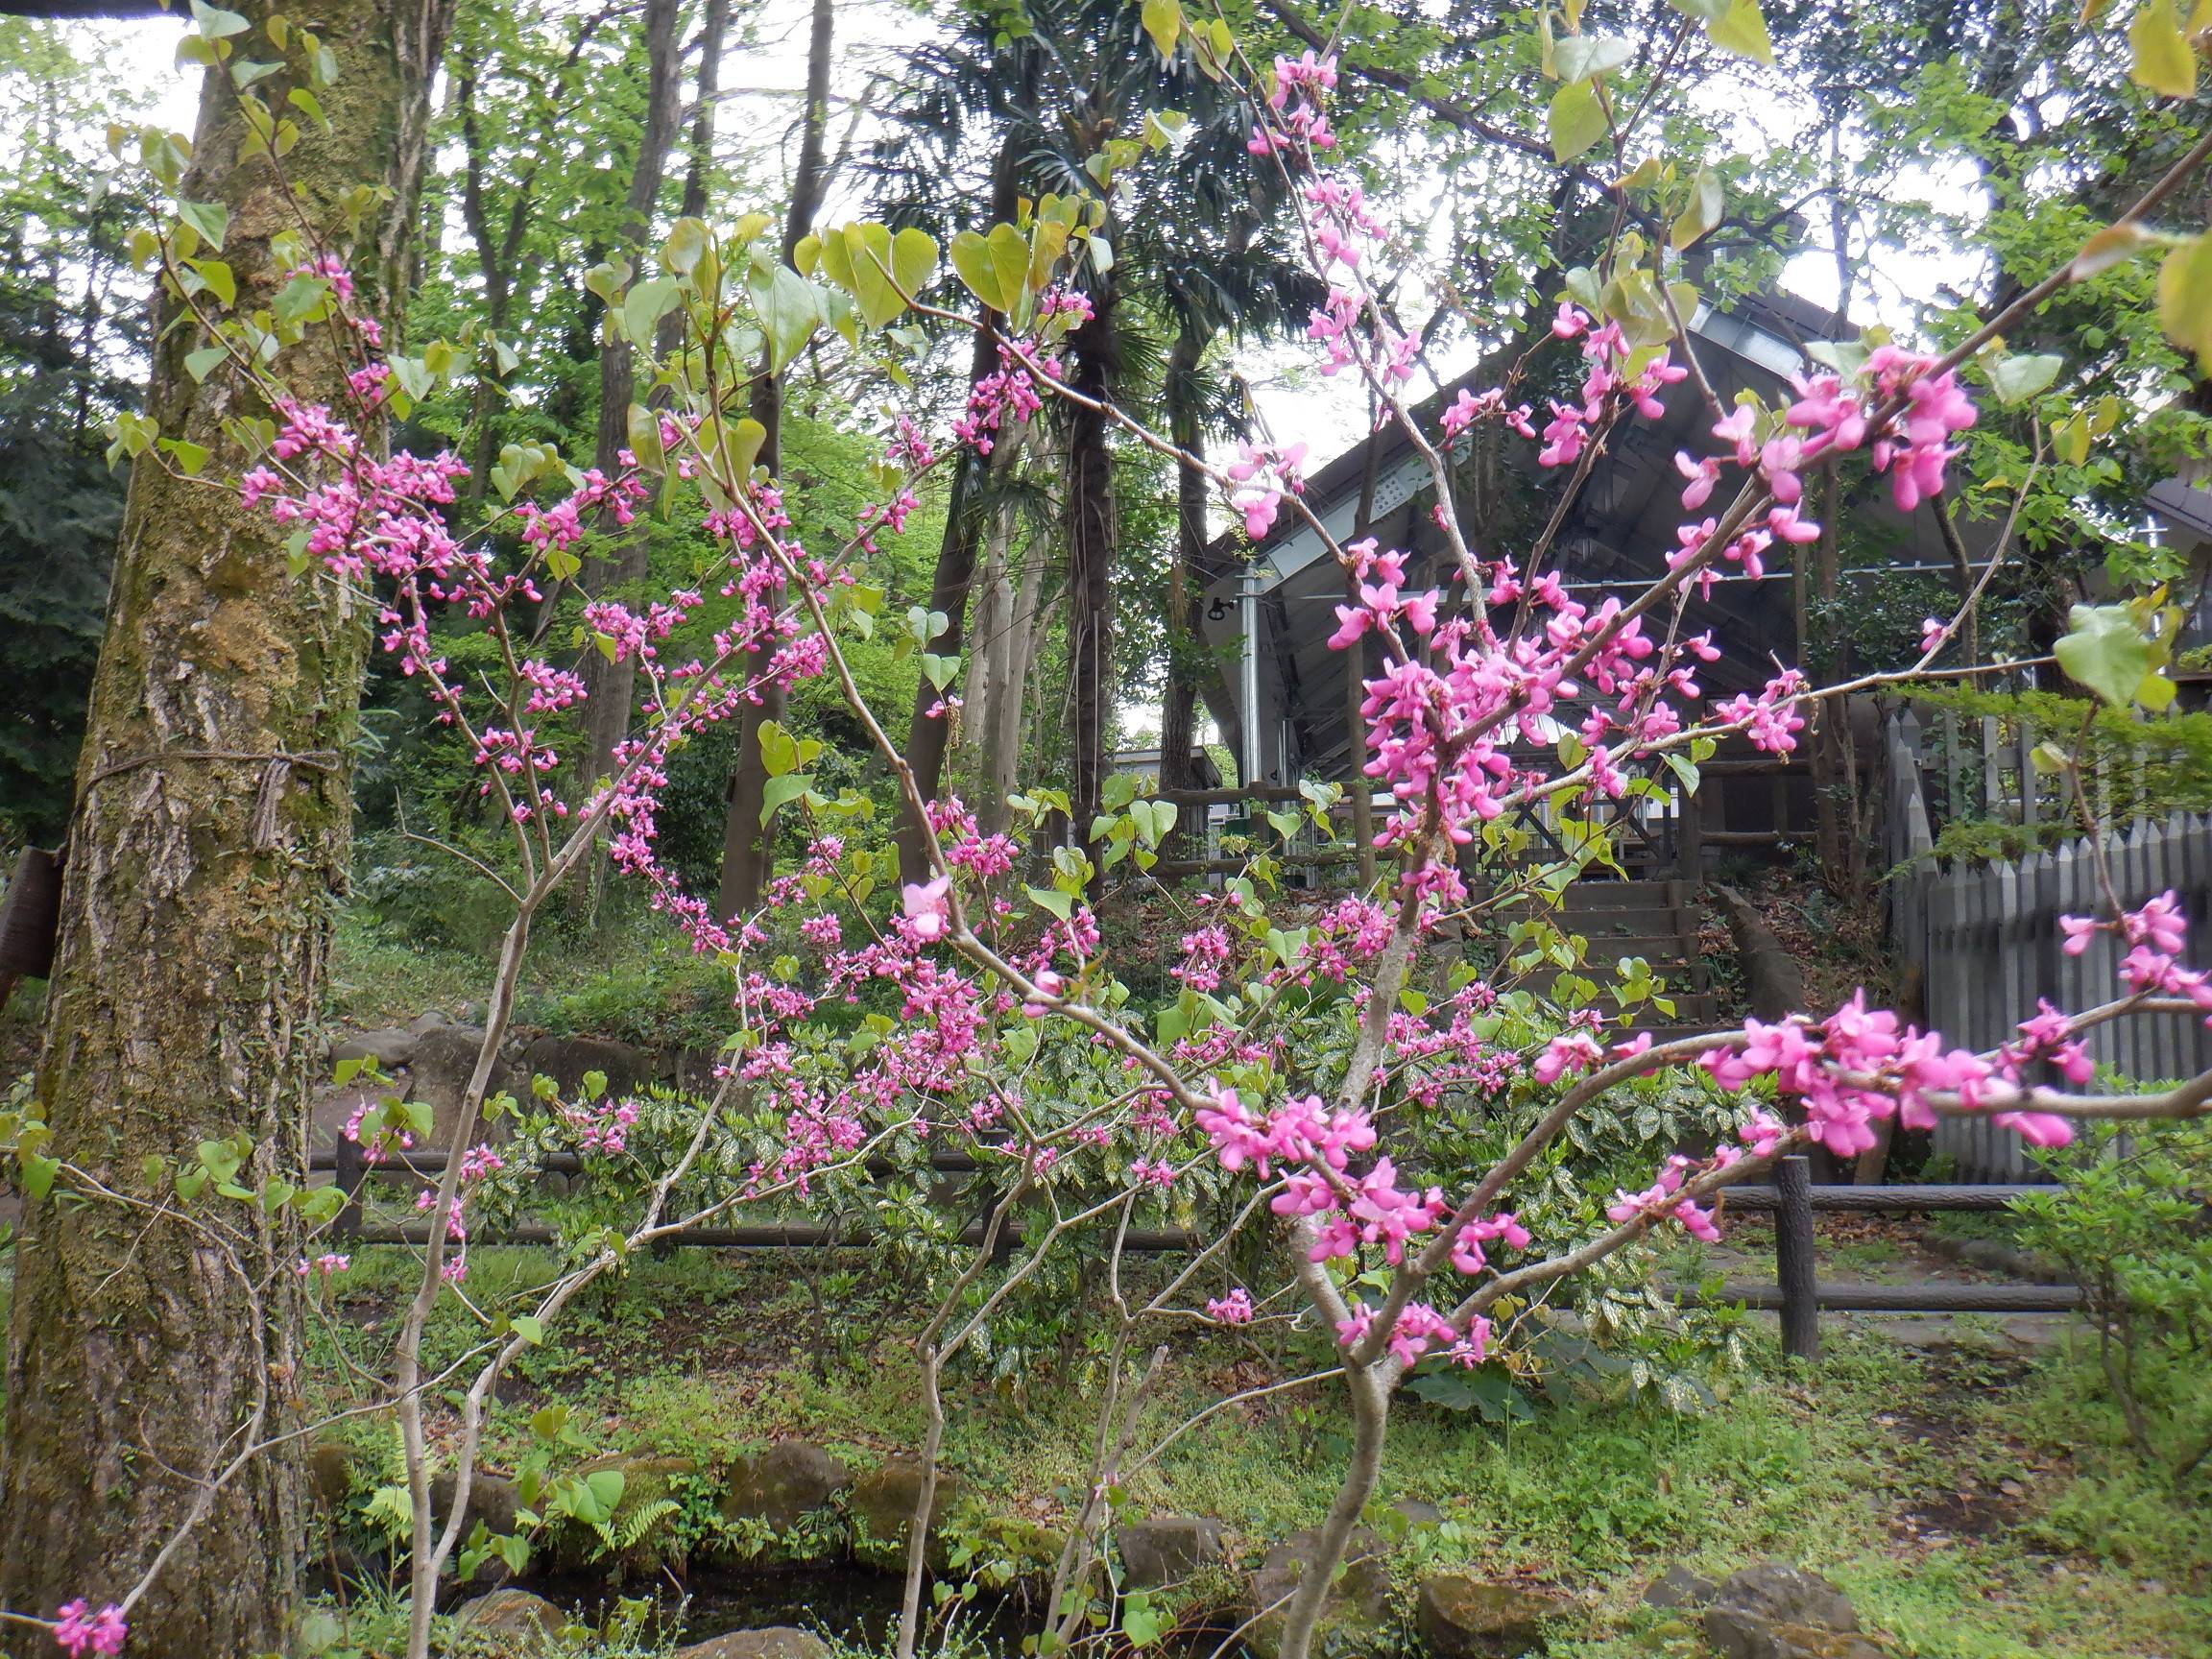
<point x="309" y="105"/>
<point x="779" y="791"/>
<point x="685" y="247"/>
<point x="1059" y="904"/>
<point x="2104" y="650"/>
<point x="644" y="305"/>
<point x="216" y="278"/>
<point x="204" y="362"/>
<point x="913" y="260"/>
<point x="2162" y="59"/>
<point x="1140" y="1621"/>
<point x="971" y="262"/>
<point x="1743" y="31"/>
<point x="940" y="670"/>
<point x="561" y="563"/>
<point x="1702" y="212"/>
<point x="2015" y="379"/>
<point x="1164" y="22"/>
<point x="1586" y="56"/>
<point x="38" y="1174"/>
<point x="210" y="219"/>
<point x="529" y="1327"/>
<point x="1577" y="120"/>
<point x="645" y="436"/>
<point x="785" y="303"/>
<point x="2185" y="297"/>
<point x="217" y="24"/>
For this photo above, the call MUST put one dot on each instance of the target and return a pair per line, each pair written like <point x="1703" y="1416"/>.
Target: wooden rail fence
<point x="1791" y="1198"/>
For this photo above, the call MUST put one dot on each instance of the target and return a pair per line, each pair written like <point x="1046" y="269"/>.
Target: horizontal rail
<point x="1884" y="1200"/>
<point x="1905" y="1298"/>
<point x="767" y="1236"/>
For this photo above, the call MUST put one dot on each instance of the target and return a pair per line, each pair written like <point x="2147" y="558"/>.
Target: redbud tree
<point x="1294" y="1050"/>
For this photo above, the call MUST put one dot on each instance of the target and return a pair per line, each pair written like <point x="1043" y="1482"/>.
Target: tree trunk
<point x="1186" y="587"/>
<point x="148" y="1347"/>
<point x="996" y="638"/>
<point x="928" y="733"/>
<point x="607" y="684"/>
<point x="1090" y="510"/>
<point x="748" y="843"/>
<point x="1026" y="627"/>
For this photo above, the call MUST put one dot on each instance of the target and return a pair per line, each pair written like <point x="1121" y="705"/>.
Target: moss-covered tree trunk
<point x="150" y="1344"/>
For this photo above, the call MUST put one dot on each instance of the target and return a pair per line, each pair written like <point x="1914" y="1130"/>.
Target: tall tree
<point x="749" y="838"/>
<point x="609" y="682"/>
<point x="71" y="316"/>
<point x="150" y="1344"/>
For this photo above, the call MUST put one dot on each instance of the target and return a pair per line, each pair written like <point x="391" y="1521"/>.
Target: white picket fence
<point x="1987" y="940"/>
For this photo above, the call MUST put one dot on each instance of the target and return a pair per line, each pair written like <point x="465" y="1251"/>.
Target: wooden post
<point x="1689" y="837"/>
<point x="352" y="1171"/>
<point x="1793" y="1268"/>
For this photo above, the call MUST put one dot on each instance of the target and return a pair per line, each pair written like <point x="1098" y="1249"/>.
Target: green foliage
<point x="2129" y="1220"/>
<point x="70" y="326"/>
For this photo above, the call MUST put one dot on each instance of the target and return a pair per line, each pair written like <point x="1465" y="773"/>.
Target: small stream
<point x="852" y="1604"/>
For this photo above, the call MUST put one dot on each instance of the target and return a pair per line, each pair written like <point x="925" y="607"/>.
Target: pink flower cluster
<point x="78" y="1630"/>
<point x="1298" y="123"/>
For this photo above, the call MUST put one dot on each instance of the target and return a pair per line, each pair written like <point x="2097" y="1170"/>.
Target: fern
<point x="627" y="1531"/>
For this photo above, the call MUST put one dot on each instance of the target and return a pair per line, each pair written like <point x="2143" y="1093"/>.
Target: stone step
<point x="1581" y="896"/>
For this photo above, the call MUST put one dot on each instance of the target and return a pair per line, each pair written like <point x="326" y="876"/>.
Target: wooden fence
<point x="1985" y="936"/>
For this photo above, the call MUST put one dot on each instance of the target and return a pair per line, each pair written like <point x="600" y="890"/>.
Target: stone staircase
<point x="1656" y="920"/>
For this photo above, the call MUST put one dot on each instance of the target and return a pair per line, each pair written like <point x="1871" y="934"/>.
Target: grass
<point x="1973" y="1505"/>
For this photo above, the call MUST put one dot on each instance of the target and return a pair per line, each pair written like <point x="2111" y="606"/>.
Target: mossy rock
<point x="508" y="1622"/>
<point x="1357" y="1615"/>
<point x="780" y="1505"/>
<point x="883" y="1503"/>
<point x="647" y="1481"/>
<point x="1463" y="1617"/>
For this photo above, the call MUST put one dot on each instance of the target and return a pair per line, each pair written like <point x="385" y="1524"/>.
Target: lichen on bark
<point x="150" y="1340"/>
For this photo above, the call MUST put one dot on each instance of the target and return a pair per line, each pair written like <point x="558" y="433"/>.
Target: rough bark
<point x="145" y="1350"/>
<point x="1187" y="582"/>
<point x="748" y="844"/>
<point x="927" y="736"/>
<point x="609" y="685"/>
<point x="1089" y="516"/>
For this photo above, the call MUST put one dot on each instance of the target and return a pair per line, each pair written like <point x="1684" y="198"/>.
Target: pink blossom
<point x="928" y="910"/>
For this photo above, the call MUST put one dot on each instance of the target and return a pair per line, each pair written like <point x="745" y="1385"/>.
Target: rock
<point x="1419" y="1512"/>
<point x="391" y="1049"/>
<point x="566" y="1059"/>
<point x="1784" y="1595"/>
<point x="1167" y="1548"/>
<point x="784" y="1483"/>
<point x="882" y="1502"/>
<point x="647" y="1480"/>
<point x="330" y="1473"/>
<point x="444" y="1060"/>
<point x="1736" y="1634"/>
<point x="1355" y="1613"/>
<point x="1679" y="1587"/>
<point x="492" y="1500"/>
<point x="777" y="1642"/>
<point x="425" y="1022"/>
<point x="1463" y="1617"/>
<point x="515" y="1620"/>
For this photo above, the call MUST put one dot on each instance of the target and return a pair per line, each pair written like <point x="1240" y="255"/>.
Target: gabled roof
<point x="1617" y="533"/>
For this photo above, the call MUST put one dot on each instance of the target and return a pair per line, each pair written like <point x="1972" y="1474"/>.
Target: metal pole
<point x="1793" y="1269"/>
<point x="1248" y="618"/>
